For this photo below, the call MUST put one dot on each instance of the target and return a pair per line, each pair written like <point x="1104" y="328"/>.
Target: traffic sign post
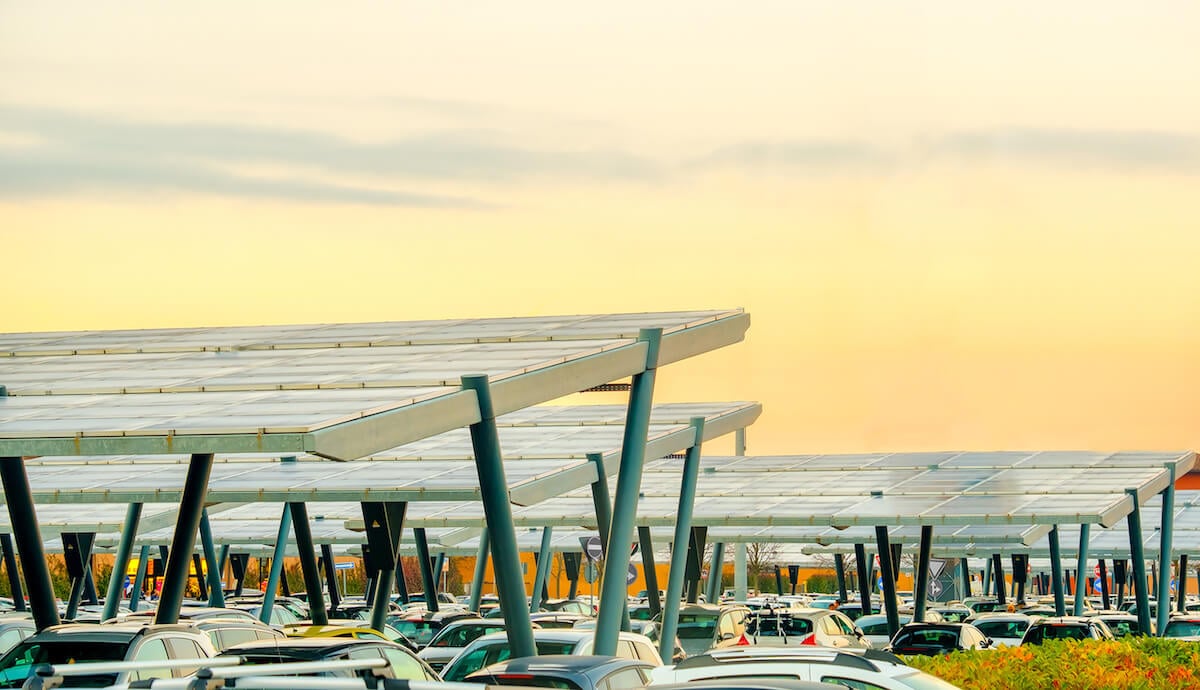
<point x="592" y="547"/>
<point x="590" y="572"/>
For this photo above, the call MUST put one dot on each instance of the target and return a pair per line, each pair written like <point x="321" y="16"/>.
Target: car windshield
<point x="696" y="627"/>
<point x="930" y="638"/>
<point x="16" y="666"/>
<point x="1124" y="628"/>
<point x="419" y="631"/>
<point x="876" y="628"/>
<point x="1058" y="632"/>
<point x="1002" y="628"/>
<point x="1182" y="629"/>
<point x="471" y="661"/>
<point x="462" y="635"/>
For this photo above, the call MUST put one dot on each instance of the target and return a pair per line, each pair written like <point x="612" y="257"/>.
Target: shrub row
<point x="1140" y="663"/>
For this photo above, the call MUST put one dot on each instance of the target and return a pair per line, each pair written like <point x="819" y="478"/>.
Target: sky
<point x="954" y="225"/>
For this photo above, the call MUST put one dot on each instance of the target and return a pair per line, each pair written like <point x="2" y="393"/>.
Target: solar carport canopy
<point x="892" y="489"/>
<point x="341" y="391"/>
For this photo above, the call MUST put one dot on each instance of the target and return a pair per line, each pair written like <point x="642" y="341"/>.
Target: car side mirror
<point x="858" y="631"/>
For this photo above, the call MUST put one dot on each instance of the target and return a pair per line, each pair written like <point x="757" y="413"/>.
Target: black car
<point x="422" y="626"/>
<point x="401" y="663"/>
<point x="567" y="672"/>
<point x="1066" y="628"/>
<point x="932" y="639"/>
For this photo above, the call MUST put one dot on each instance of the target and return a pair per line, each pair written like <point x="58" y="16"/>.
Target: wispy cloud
<point x="810" y="155"/>
<point x="82" y="151"/>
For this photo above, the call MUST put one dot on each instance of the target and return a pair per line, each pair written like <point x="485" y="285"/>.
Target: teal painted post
<point x="864" y="577"/>
<point x="331" y="583"/>
<point x="139" y="580"/>
<point x="646" y="546"/>
<point x="116" y="581"/>
<point x="545" y="556"/>
<point x="14" y="577"/>
<point x="602" y="504"/>
<point x="1056" y="574"/>
<point x="1081" y="568"/>
<point x="216" y="588"/>
<point x="614" y="593"/>
<point x="427" y="579"/>
<point x="740" y="584"/>
<point x="23" y="518"/>
<point x="965" y="574"/>
<point x="987" y="577"/>
<point x="223" y="559"/>
<point x="715" y="568"/>
<point x="683" y="530"/>
<point x="179" y="559"/>
<point x="1137" y="557"/>
<point x="506" y="561"/>
<point x="281" y="538"/>
<point x="921" y="593"/>
<point x="481" y="557"/>
<point x="1165" y="535"/>
<point x="308" y="563"/>
<point x="889" y="582"/>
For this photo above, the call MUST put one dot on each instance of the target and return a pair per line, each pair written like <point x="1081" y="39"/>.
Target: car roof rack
<point x="47" y="676"/>
<point x="754" y="654"/>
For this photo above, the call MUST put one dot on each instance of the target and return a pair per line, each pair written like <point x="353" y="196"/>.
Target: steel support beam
<point x="964" y="568"/>
<point x="740" y="572"/>
<point x="216" y="585"/>
<point x="614" y="593"/>
<point x="506" y="561"/>
<point x="23" y="518"/>
<point x="331" y="583"/>
<point x="716" y="569"/>
<point x="602" y="504"/>
<point x="1056" y="573"/>
<point x="1081" y="569"/>
<point x="481" y="557"/>
<point x="14" y="577"/>
<point x="839" y="568"/>
<point x="1182" y="587"/>
<point x="1165" y="535"/>
<point x="998" y="577"/>
<point x="139" y="580"/>
<point x="683" y="530"/>
<point x="921" y="586"/>
<point x="1138" y="558"/>
<point x="116" y="581"/>
<point x="863" y="568"/>
<point x="427" y="581"/>
<point x="646" y="545"/>
<point x="1104" y="594"/>
<point x="544" y="558"/>
<point x="308" y="563"/>
<point x="889" y="582"/>
<point x="191" y="504"/>
<point x="281" y="539"/>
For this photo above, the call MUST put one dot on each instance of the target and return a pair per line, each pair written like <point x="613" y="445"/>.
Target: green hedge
<point x="1146" y="663"/>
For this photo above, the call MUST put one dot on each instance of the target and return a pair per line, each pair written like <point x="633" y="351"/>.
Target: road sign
<point x="935" y="588"/>
<point x="590" y="572"/>
<point x="631" y="575"/>
<point x="593" y="548"/>
<point x="1096" y="570"/>
<point x="343" y="566"/>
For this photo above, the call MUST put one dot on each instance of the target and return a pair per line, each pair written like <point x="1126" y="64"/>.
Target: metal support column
<point x="481" y="557"/>
<point x="23" y="518"/>
<point x="427" y="580"/>
<point x="1165" y="536"/>
<point x="14" y="577"/>
<point x="740" y="574"/>
<point x="965" y="575"/>
<point x="683" y="530"/>
<point x="1104" y="595"/>
<point x="281" y="538"/>
<point x="864" y="577"/>
<point x="116" y="581"/>
<point x="544" y="558"/>
<point x="839" y="567"/>
<point x="998" y="577"/>
<point x="987" y="577"/>
<point x="201" y="583"/>
<point x="506" y="561"/>
<point x="191" y="504"/>
<point x="1081" y="569"/>
<point x="216" y="584"/>
<point x="614" y="593"/>
<point x="331" y="583"/>
<point x="646" y="544"/>
<point x="1056" y="574"/>
<point x="921" y="586"/>
<point x="308" y="563"/>
<point x="716" y="571"/>
<point x="889" y="582"/>
<point x="1138" y="558"/>
<point x="1182" y="588"/>
<point x="602" y="504"/>
<point x="139" y="580"/>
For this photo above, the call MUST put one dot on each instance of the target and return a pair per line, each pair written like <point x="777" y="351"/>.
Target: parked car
<point x="772" y="683"/>
<point x="1066" y="628"/>
<point x="401" y="663"/>
<point x="708" y="626"/>
<point x="569" y="606"/>
<point x="494" y="648"/>
<point x="420" y="627"/>
<point x="1002" y="628"/>
<point x="347" y="628"/>
<point x="932" y="639"/>
<point x="13" y="629"/>
<point x="82" y="642"/>
<point x="454" y="637"/>
<point x="651" y="629"/>
<point x="807" y="626"/>
<point x="573" y="672"/>
<point x="855" y="668"/>
<point x="1119" y="623"/>
<point x="192" y="613"/>
<point x="952" y="614"/>
<point x="854" y="609"/>
<point x="226" y="632"/>
<point x="1186" y="627"/>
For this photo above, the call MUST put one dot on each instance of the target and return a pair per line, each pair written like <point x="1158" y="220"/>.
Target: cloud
<point x="81" y="151"/>
<point x="808" y="155"/>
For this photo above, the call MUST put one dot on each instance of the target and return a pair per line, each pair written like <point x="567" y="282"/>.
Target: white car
<point x="849" y="667"/>
<point x="494" y="647"/>
<point x="803" y="626"/>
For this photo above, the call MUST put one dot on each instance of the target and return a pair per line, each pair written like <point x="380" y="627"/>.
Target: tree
<point x="761" y="559"/>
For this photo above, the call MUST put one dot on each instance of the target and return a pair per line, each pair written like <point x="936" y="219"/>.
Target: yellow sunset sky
<point x="955" y="225"/>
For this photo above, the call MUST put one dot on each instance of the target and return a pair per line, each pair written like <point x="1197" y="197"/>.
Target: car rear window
<point x="419" y="631"/>
<point x="1182" y="629"/>
<point x="16" y="666"/>
<point x="926" y="639"/>
<point x="696" y="627"/>
<point x="777" y="626"/>
<point x="1058" y="632"/>
<point x="1002" y="628"/>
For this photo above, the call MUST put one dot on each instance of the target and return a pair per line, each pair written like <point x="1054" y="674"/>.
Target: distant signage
<point x="593" y="548"/>
<point x="631" y="575"/>
<point x="343" y="566"/>
<point x="590" y="572"/>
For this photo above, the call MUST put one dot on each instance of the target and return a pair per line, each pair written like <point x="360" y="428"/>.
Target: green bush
<point x="1140" y="663"/>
